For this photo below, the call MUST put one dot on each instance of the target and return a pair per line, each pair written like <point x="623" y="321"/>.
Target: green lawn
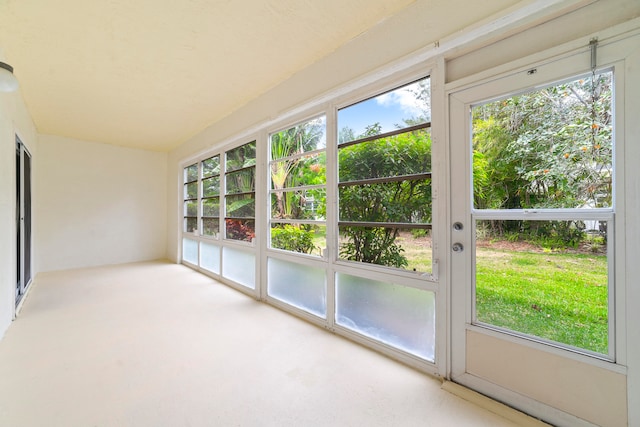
<point x="560" y="297"/>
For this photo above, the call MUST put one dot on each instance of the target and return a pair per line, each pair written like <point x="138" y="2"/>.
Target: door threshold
<point x="520" y="418"/>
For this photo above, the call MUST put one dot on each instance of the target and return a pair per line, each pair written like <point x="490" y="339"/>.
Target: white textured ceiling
<point x="152" y="73"/>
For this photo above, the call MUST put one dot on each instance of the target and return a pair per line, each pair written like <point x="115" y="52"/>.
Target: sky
<point x="388" y="109"/>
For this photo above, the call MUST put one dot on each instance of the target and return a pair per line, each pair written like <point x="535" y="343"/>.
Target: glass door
<point x="23" y="220"/>
<point x="534" y="178"/>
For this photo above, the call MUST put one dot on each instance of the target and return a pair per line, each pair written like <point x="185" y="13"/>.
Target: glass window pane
<point x="210" y="257"/>
<point x="240" y="229"/>
<point x="406" y="106"/>
<point x="301" y="204"/>
<point x="211" y="166"/>
<point x="191" y="173"/>
<point x="190" y="224"/>
<point x="191" y="208"/>
<point x="396" y="315"/>
<point x="211" y="187"/>
<point x="241" y="181"/>
<point x="301" y="171"/>
<point x="308" y="136"/>
<point x="239" y="266"/>
<point x="211" y="207"/>
<point x="210" y="226"/>
<point x="190" y="251"/>
<point x="191" y="191"/>
<point x="299" y="285"/>
<point x="551" y="148"/>
<point x="401" y="201"/>
<point x="241" y="206"/>
<point x="241" y="157"/>
<point x="545" y="278"/>
<point x="408" y="249"/>
<point x="404" y="154"/>
<point x="300" y="238"/>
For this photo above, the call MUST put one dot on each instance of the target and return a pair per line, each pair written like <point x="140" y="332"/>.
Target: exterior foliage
<point x="551" y="148"/>
<point x="404" y="200"/>
<point x="240" y="192"/>
<point x="292" y="238"/>
<point x="290" y="169"/>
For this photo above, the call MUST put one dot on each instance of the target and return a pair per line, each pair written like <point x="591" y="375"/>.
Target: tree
<point x="294" y="170"/>
<point x="398" y="198"/>
<point x="240" y="192"/>
<point x="551" y="148"/>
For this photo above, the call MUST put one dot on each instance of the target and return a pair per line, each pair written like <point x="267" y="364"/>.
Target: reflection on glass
<point x="301" y="286"/>
<point x="300" y="238"/>
<point x="403" y="107"/>
<point x="547" y="279"/>
<point x="408" y="249"/>
<point x="396" y="315"/>
<point x="551" y="148"/>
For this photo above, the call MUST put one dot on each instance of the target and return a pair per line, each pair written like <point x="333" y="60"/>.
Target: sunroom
<point x="458" y="198"/>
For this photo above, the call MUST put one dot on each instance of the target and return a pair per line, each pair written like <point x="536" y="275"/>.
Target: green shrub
<point x="373" y="245"/>
<point x="292" y="238"/>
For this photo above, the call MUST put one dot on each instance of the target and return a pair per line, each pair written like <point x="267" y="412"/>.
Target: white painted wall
<point x="14" y="118"/>
<point x="98" y="204"/>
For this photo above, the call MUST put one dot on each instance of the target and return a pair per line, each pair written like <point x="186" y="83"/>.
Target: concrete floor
<point x="157" y="344"/>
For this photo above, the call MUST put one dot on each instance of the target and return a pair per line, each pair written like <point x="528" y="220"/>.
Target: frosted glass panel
<point x="239" y="266"/>
<point x="299" y="285"/>
<point x="190" y="251"/>
<point x="210" y="257"/>
<point x="397" y="315"/>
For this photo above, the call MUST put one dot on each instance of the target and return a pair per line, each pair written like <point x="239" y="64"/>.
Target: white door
<point x="537" y="167"/>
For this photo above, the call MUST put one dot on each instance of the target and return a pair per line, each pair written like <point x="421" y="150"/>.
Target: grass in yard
<point x="561" y="297"/>
<point x="417" y="250"/>
<point x="556" y="296"/>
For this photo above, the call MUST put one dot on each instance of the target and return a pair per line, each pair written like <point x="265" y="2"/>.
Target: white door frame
<point x="467" y="338"/>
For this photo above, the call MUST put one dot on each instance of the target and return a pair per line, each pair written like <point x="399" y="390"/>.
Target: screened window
<point x="384" y="163"/>
<point x="297" y="171"/>
<point x="190" y="196"/>
<point x="240" y="196"/>
<point x="543" y="197"/>
<point x="210" y="201"/>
